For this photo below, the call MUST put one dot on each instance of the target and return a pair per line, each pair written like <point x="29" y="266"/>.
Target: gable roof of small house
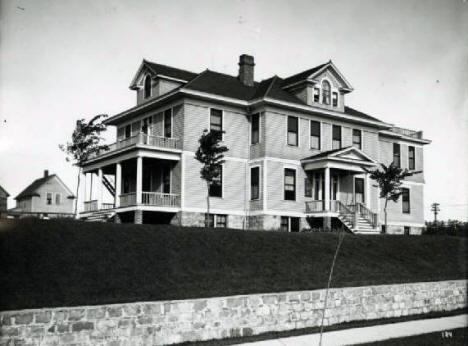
<point x="3" y="192"/>
<point x="31" y="189"/>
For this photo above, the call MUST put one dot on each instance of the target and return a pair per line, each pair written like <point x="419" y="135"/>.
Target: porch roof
<point x="349" y="158"/>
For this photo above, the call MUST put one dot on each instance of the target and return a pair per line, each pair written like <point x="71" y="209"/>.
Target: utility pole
<point x="435" y="209"/>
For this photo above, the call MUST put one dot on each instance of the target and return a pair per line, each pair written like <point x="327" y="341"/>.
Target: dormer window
<point x="326" y="92"/>
<point x="316" y="95"/>
<point x="335" y="99"/>
<point x="147" y="87"/>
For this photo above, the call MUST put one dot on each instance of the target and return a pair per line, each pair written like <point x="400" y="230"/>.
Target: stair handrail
<point x="342" y="209"/>
<point x="367" y="214"/>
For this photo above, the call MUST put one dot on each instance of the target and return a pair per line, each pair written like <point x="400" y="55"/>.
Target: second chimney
<point x="46" y="173"/>
<point x="246" y="69"/>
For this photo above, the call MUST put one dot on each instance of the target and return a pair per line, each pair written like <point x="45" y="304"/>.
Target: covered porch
<point x="132" y="182"/>
<point x="339" y="186"/>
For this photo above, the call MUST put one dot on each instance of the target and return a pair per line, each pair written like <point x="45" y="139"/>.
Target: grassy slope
<point x="64" y="263"/>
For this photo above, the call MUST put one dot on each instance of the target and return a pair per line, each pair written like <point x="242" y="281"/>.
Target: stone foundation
<point x="168" y="322"/>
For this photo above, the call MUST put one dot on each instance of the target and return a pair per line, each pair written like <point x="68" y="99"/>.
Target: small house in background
<point x="46" y="197"/>
<point x="3" y="202"/>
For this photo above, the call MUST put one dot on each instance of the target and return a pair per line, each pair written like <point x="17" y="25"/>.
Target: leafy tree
<point x="86" y="141"/>
<point x="210" y="154"/>
<point x="389" y="180"/>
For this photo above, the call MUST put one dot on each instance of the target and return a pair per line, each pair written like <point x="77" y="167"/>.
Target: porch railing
<point x="91" y="205"/>
<point x="107" y="205"/>
<point x="367" y="214"/>
<point x="127" y="199"/>
<point x="160" y="199"/>
<point x="140" y="138"/>
<point x="314" y="206"/>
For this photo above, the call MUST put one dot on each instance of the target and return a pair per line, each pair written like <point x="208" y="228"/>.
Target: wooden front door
<point x="359" y="190"/>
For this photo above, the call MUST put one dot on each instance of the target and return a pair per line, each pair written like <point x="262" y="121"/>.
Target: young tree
<point x="389" y="180"/>
<point x="86" y="141"/>
<point x="210" y="155"/>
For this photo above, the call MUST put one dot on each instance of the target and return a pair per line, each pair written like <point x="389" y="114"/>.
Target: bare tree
<point x="210" y="154"/>
<point x="86" y="141"/>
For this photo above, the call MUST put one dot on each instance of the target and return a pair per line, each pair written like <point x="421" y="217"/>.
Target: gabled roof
<point x="163" y="70"/>
<point x="313" y="72"/>
<point x="31" y="189"/>
<point x="4" y="192"/>
<point x="348" y="153"/>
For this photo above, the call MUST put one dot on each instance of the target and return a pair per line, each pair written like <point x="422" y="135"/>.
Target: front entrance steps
<point x="100" y="216"/>
<point x="363" y="226"/>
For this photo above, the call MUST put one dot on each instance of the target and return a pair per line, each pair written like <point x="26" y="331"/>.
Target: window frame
<point x="360" y="139"/>
<point x="166" y="171"/>
<point x="221" y="176"/>
<point x="334" y="101"/>
<point x="319" y="134"/>
<point x="326" y="93"/>
<point x="397" y="155"/>
<point x="285" y="197"/>
<point x="149" y="94"/>
<point x="59" y="200"/>
<point x="211" y="109"/>
<point x="403" y="194"/>
<point x="171" y="121"/>
<point x="252" y="140"/>
<point x="252" y="197"/>
<point x="49" y="201"/>
<point x="319" y="92"/>
<point x="129" y="128"/>
<point x="411" y="160"/>
<point x="333" y="136"/>
<point x="308" y="186"/>
<point x="287" y="131"/>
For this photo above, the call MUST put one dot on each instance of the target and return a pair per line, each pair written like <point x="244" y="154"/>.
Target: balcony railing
<point x="91" y="205"/>
<point x="160" y="199"/>
<point x="407" y="132"/>
<point x="140" y="139"/>
<point x="127" y="199"/>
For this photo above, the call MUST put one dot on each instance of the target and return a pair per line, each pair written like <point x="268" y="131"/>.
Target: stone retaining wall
<point x="161" y="323"/>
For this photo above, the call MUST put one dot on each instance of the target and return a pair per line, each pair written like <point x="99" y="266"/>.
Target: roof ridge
<point x="196" y="77"/>
<point x="180" y="69"/>
<point x="309" y="69"/>
<point x="271" y="85"/>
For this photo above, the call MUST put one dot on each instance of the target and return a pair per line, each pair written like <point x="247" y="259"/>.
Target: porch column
<point x="139" y="179"/>
<point x="367" y="191"/>
<point x="326" y="194"/>
<point x="118" y="183"/>
<point x="99" y="186"/>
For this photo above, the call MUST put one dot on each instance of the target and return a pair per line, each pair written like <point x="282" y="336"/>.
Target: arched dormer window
<point x="147" y="91"/>
<point x="326" y="92"/>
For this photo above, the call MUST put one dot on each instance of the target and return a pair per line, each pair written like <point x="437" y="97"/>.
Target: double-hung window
<point x="147" y="87"/>
<point x="315" y="134"/>
<point x="58" y="198"/>
<point x="316" y="95"/>
<point x="293" y="131"/>
<point x="336" y="137"/>
<point x="411" y="158"/>
<point x="326" y="92"/>
<point x="128" y="131"/>
<point x="216" y="187"/>
<point x="49" y="198"/>
<point x="216" y="120"/>
<point x="168" y="123"/>
<point x="255" y="132"/>
<point x="335" y="99"/>
<point x="396" y="155"/>
<point x="308" y="186"/>
<point x="216" y="220"/>
<point x="405" y="197"/>
<point x="290" y="224"/>
<point x="289" y="184"/>
<point x="255" y="183"/>
<point x="357" y="139"/>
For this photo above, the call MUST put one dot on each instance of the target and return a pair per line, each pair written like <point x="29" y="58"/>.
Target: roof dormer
<point x="153" y="80"/>
<point x="323" y="86"/>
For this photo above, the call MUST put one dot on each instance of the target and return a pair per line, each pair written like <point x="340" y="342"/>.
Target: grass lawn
<point x="450" y="337"/>
<point x="68" y="263"/>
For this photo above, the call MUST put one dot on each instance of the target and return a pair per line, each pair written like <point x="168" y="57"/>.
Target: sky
<point x="65" y="60"/>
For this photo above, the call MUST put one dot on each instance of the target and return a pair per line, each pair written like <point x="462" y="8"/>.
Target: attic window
<point x="335" y="99"/>
<point x="147" y="90"/>
<point x="325" y="92"/>
<point x="316" y="95"/>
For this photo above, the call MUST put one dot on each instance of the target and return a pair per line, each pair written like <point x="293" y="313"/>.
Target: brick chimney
<point x="46" y="173"/>
<point x="246" y="69"/>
